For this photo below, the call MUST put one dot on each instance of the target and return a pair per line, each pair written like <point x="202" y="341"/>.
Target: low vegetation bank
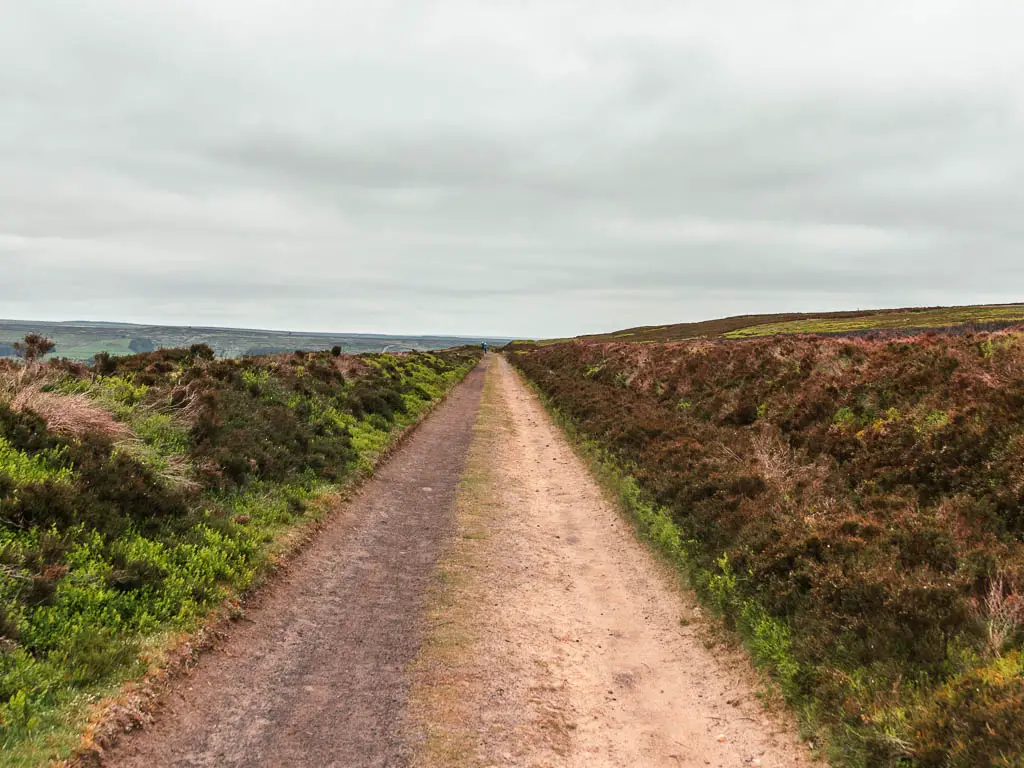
<point x="897" y="322"/>
<point x="138" y="493"/>
<point x="854" y="508"/>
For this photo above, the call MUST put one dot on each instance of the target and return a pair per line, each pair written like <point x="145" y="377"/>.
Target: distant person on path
<point x="484" y="346"/>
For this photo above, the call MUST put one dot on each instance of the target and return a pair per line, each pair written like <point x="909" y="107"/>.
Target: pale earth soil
<point x="511" y="619"/>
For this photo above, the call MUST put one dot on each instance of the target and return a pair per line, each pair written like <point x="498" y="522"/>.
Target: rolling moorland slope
<point x="984" y="317"/>
<point x="81" y="341"/>
<point x="138" y="494"/>
<point x="853" y="507"/>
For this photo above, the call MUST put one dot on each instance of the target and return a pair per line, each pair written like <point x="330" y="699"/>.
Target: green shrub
<point x="975" y="719"/>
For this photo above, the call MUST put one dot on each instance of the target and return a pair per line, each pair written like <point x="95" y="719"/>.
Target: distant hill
<point x="830" y="323"/>
<point x="82" y="340"/>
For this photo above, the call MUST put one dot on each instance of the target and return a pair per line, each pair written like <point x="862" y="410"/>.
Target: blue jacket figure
<point x="484" y="346"/>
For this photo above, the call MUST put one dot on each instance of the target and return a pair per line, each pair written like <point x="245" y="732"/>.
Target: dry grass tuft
<point x="1001" y="610"/>
<point x="775" y="460"/>
<point x="74" y="415"/>
<point x="349" y="365"/>
<point x="11" y="375"/>
<point x="176" y="469"/>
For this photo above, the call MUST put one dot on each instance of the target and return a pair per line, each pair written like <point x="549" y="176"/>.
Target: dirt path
<point x="316" y="676"/>
<point x="558" y="640"/>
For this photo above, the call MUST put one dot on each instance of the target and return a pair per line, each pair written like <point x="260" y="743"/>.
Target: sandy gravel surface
<point x="559" y="641"/>
<point x="316" y="674"/>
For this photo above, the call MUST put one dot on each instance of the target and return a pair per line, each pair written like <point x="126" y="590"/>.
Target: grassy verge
<point x="138" y="496"/>
<point x="438" y="698"/>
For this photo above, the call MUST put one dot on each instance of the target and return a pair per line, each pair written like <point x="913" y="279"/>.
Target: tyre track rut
<point x="316" y="673"/>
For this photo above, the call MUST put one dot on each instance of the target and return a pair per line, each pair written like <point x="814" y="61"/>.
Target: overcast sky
<point x="522" y="168"/>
